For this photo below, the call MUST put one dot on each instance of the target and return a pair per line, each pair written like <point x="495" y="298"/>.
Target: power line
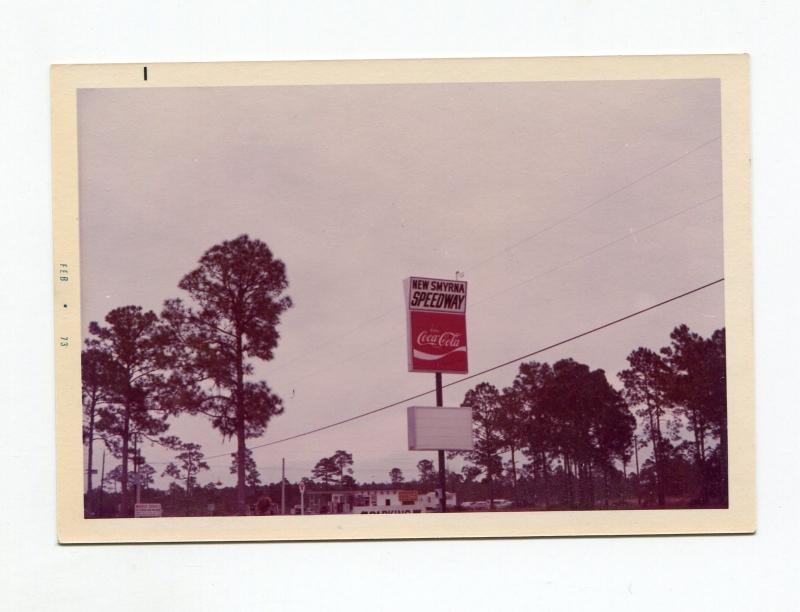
<point x="494" y="295"/>
<point x="580" y="211"/>
<point x="513" y="246"/>
<point x="486" y="371"/>
<point x="582" y="256"/>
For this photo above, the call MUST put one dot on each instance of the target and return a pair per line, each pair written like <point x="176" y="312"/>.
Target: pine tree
<point x="134" y="341"/>
<point x="237" y="299"/>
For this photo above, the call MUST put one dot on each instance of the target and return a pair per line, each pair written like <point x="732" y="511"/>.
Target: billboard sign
<point x="439" y="428"/>
<point x="437" y="325"/>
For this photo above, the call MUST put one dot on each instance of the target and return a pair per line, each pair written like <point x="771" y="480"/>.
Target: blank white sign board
<point x="439" y="428"/>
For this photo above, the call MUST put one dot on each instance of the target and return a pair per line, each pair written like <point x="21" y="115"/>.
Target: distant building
<point x="378" y="501"/>
<point x="433" y="500"/>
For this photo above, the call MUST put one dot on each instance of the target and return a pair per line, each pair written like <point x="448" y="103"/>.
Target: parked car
<point x="484" y="505"/>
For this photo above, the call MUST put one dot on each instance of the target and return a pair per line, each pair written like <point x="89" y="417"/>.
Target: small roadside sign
<point x="439" y="427"/>
<point x="302" y="487"/>
<point x="408" y="496"/>
<point x="147" y="511"/>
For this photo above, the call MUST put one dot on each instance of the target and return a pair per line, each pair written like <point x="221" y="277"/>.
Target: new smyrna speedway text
<point x="437" y="295"/>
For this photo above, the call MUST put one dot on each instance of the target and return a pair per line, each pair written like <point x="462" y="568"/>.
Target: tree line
<point x="196" y="357"/>
<point x="561" y="434"/>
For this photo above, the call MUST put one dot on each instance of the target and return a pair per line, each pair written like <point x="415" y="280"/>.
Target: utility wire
<point x="486" y="371"/>
<point x="499" y="292"/>
<point x="592" y="204"/>
<point x="603" y="247"/>
<point x="513" y="246"/>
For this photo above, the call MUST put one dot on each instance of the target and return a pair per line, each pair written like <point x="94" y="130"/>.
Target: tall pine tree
<point x="134" y="341"/>
<point x="236" y="301"/>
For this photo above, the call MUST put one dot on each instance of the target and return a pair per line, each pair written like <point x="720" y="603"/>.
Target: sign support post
<point x="436" y="310"/>
<point x="442" y="475"/>
<point x="302" y="487"/>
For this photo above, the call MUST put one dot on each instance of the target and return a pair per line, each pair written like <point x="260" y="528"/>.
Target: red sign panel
<point x="437" y="325"/>
<point x="409" y="497"/>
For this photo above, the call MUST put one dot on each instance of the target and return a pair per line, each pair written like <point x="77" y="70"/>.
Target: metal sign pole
<point x="442" y="478"/>
<point x="302" y="487"/>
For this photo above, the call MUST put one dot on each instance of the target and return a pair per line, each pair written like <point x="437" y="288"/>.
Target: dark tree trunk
<point x="126" y="432"/>
<point x="623" y="488"/>
<point x="102" y="485"/>
<point x="636" y="455"/>
<point x="574" y="501"/>
<point x="514" y="476"/>
<point x="91" y="449"/>
<point x="700" y="455"/>
<point x="241" y="486"/>
<point x="546" y="479"/>
<point x="654" y="437"/>
<point x="723" y="459"/>
<point x="570" y="489"/>
<point x="661" y="478"/>
<point x="704" y="471"/>
<point x="587" y="485"/>
<point x="136" y="467"/>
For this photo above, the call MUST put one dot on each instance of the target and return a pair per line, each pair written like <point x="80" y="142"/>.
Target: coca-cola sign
<point x="437" y="328"/>
<point x="434" y="338"/>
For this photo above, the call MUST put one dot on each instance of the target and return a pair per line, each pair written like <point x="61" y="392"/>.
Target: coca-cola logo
<point x="440" y="339"/>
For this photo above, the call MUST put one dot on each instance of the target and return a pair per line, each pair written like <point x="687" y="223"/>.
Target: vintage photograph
<point x="470" y="298"/>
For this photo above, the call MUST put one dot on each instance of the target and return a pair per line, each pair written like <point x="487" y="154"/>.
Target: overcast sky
<point x="565" y="205"/>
